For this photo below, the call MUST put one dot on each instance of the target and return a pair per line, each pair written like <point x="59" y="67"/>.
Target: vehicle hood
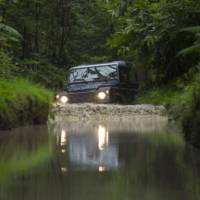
<point x="90" y="86"/>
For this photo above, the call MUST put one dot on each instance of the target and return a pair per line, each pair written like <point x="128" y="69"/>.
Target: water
<point x="142" y="159"/>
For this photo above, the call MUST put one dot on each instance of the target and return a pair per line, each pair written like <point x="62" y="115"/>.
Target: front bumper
<point x="81" y="97"/>
<point x="85" y="97"/>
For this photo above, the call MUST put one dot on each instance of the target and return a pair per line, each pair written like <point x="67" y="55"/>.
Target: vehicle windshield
<point x="94" y="73"/>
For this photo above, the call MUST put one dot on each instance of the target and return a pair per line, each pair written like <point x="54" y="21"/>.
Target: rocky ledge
<point x="89" y="110"/>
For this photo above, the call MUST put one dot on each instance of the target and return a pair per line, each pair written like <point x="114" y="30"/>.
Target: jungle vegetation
<point x="41" y="40"/>
<point x="160" y="36"/>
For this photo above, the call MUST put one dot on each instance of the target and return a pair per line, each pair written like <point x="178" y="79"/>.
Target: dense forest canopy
<point x="40" y="40"/>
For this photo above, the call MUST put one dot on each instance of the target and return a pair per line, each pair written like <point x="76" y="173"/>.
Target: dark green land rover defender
<point x="101" y="83"/>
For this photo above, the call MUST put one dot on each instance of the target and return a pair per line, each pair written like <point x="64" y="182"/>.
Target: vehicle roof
<point x="121" y="63"/>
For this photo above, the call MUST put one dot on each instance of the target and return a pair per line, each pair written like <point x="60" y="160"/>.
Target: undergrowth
<point x="23" y="103"/>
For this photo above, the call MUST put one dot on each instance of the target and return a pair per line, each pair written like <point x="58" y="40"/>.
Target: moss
<point x="23" y="103"/>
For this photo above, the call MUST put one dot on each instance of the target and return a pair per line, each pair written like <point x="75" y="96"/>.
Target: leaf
<point x="193" y="29"/>
<point x="196" y="47"/>
<point x="10" y="33"/>
<point x="192" y="49"/>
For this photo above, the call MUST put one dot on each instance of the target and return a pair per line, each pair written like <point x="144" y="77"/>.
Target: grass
<point x="178" y="96"/>
<point x="168" y="95"/>
<point x="22" y="103"/>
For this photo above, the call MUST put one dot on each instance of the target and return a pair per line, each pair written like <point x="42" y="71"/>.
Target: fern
<point x="196" y="47"/>
<point x="193" y="49"/>
<point x="193" y="29"/>
<point x="9" y="33"/>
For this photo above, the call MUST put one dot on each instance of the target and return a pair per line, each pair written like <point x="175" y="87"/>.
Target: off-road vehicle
<point x="113" y="82"/>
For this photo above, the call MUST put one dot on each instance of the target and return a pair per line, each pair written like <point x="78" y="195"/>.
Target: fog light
<point x="101" y="95"/>
<point x="64" y="99"/>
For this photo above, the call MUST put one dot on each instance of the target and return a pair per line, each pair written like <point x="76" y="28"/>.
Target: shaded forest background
<point x="40" y="40"/>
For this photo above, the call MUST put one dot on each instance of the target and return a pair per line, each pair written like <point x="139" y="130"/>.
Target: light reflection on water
<point x="103" y="136"/>
<point x="143" y="159"/>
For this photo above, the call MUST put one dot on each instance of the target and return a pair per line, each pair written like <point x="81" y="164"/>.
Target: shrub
<point x="23" y="103"/>
<point x="6" y="65"/>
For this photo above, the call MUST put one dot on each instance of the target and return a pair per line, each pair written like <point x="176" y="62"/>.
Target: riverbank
<point x="182" y="101"/>
<point x="23" y="103"/>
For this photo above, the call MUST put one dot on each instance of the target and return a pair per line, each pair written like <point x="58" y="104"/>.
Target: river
<point x="142" y="159"/>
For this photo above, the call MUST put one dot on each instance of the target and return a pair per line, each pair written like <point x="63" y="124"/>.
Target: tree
<point x="149" y="33"/>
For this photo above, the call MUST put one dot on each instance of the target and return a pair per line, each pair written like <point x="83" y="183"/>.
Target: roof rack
<point x="122" y="63"/>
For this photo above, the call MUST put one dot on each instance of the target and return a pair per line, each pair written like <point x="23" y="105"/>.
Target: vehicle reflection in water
<point x="90" y="150"/>
<point x="99" y="146"/>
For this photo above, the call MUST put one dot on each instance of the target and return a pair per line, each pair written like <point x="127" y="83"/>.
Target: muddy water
<point x="141" y="158"/>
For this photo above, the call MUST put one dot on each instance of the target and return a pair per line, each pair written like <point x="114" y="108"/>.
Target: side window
<point x="124" y="74"/>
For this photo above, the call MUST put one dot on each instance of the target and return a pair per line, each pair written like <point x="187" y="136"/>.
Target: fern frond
<point x="193" y="29"/>
<point x="10" y="32"/>
<point x="192" y="49"/>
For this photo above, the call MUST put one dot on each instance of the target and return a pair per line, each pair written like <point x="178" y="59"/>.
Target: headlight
<point x="101" y="95"/>
<point x="64" y="99"/>
<point x="57" y="96"/>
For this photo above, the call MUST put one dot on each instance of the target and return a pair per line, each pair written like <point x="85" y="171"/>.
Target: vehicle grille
<point x="81" y="97"/>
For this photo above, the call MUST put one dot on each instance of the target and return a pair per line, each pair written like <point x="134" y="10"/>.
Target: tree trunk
<point x="37" y="18"/>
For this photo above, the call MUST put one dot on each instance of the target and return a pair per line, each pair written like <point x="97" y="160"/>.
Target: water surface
<point x="142" y="159"/>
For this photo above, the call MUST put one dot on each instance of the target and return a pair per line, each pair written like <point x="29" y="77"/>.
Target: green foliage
<point x="40" y="71"/>
<point x="9" y="37"/>
<point x="7" y="67"/>
<point x="149" y="33"/>
<point x="191" y="120"/>
<point x="196" y="47"/>
<point x="90" y="32"/>
<point x="45" y="38"/>
<point x="23" y="103"/>
<point x="64" y="33"/>
<point x="50" y="36"/>
<point x="168" y="95"/>
<point x="177" y="96"/>
<point x="9" y="33"/>
<point x="182" y="98"/>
